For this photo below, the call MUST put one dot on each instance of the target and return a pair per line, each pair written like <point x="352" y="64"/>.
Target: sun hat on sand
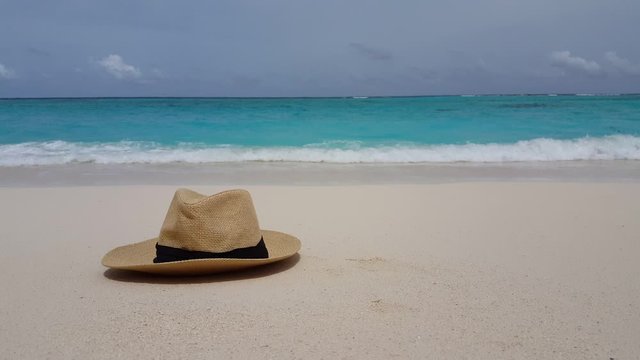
<point x="204" y="235"/>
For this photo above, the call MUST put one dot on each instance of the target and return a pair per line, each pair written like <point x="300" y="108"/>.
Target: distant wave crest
<point x="616" y="147"/>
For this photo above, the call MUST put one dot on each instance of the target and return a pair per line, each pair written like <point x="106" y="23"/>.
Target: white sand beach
<point x="478" y="270"/>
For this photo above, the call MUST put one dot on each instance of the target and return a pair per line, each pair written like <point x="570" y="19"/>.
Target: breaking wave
<point x="615" y="147"/>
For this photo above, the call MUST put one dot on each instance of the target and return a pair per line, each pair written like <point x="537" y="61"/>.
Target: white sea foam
<point x="617" y="147"/>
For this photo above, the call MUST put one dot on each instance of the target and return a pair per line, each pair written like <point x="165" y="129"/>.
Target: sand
<point x="479" y="270"/>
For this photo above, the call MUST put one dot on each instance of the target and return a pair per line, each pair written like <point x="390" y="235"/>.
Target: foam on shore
<point x="616" y="147"/>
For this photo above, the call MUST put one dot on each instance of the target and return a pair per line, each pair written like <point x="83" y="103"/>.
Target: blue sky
<point x="317" y="48"/>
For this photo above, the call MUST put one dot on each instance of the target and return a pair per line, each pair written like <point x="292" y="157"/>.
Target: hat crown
<point x="216" y="223"/>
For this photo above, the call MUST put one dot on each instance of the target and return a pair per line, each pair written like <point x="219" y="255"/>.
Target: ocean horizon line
<point x="355" y="97"/>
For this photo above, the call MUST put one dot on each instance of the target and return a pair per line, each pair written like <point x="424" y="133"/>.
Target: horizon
<point x="355" y="97"/>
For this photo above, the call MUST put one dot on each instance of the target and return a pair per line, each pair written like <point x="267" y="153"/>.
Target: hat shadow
<point x="250" y="273"/>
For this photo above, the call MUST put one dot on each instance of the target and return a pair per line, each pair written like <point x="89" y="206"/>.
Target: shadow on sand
<point x="251" y="273"/>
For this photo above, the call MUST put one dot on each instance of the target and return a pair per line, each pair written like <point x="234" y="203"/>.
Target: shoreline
<point x="284" y="173"/>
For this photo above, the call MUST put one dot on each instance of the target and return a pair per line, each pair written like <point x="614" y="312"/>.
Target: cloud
<point x="6" y="73"/>
<point x="621" y="64"/>
<point x="115" y="65"/>
<point x="371" y="53"/>
<point x="158" y="73"/>
<point x="564" y="60"/>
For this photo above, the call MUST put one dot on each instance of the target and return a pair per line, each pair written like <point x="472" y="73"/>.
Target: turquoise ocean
<point x="336" y="130"/>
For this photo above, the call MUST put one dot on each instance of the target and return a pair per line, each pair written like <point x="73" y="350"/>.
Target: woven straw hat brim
<point x="139" y="257"/>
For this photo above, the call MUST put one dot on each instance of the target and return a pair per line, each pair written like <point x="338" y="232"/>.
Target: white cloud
<point x="6" y="73"/>
<point x="621" y="64"/>
<point x="115" y="65"/>
<point x="158" y="73"/>
<point x="565" y="60"/>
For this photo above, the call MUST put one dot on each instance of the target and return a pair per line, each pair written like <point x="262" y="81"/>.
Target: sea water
<point x="337" y="130"/>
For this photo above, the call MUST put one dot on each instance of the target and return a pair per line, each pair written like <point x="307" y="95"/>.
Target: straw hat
<point x="204" y="235"/>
